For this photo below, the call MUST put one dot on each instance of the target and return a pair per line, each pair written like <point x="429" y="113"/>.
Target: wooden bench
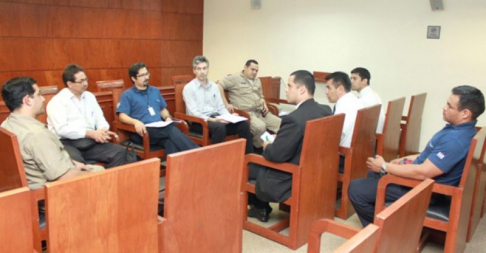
<point x="15" y="221"/>
<point x="396" y="228"/>
<point x="453" y="218"/>
<point x="314" y="182"/>
<point x="388" y="142"/>
<point x="109" y="211"/>
<point x="203" y="200"/>
<point x="411" y="128"/>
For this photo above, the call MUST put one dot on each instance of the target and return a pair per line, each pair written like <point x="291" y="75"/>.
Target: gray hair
<point x="199" y="59"/>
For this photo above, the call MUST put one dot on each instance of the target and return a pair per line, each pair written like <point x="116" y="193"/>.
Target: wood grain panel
<point x="182" y="26"/>
<point x="38" y="38"/>
<point x="183" y="6"/>
<point x="22" y="20"/>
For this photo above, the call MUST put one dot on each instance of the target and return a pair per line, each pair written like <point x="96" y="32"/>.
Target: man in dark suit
<point x="273" y="185"/>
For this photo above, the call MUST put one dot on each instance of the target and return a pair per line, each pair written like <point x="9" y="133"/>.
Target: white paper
<point x="283" y="113"/>
<point x="232" y="118"/>
<point x="267" y="137"/>
<point x="159" y="124"/>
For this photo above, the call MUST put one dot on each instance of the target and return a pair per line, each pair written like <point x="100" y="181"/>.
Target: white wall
<point x="386" y="37"/>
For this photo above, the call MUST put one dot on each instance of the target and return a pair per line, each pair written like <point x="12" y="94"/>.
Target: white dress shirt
<point x="368" y="97"/>
<point x="348" y="104"/>
<point x="69" y="117"/>
<point x="202" y="101"/>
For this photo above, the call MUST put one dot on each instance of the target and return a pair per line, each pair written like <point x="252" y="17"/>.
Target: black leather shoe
<point x="260" y="214"/>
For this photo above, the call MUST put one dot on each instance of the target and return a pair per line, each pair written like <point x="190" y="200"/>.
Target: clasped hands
<point x="101" y="135"/>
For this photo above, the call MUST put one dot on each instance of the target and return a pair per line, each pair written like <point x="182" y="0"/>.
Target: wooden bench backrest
<point x="391" y="129"/>
<point x="465" y="190"/>
<point x="179" y="82"/>
<point x="109" y="211"/>
<point x="203" y="199"/>
<point x="364" y="139"/>
<point x="110" y="85"/>
<point x="414" y="124"/>
<point x="12" y="173"/>
<point x="318" y="170"/>
<point x="16" y="221"/>
<point x="401" y="223"/>
<point x="479" y="161"/>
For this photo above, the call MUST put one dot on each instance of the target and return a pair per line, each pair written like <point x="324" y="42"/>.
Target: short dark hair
<point x="14" y="91"/>
<point x="69" y="71"/>
<point x="249" y="62"/>
<point x="304" y="77"/>
<point x="363" y="73"/>
<point x="133" y="70"/>
<point x="199" y="59"/>
<point x="470" y="98"/>
<point x="340" y="78"/>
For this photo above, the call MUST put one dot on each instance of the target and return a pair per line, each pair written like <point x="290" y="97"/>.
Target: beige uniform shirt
<point x="43" y="154"/>
<point x="242" y="93"/>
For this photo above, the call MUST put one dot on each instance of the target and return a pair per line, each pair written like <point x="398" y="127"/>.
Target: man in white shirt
<point x="338" y="90"/>
<point x="203" y="100"/>
<point x="360" y="82"/>
<point x="76" y="118"/>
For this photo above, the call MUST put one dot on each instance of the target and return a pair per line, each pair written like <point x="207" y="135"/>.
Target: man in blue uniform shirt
<point x="443" y="158"/>
<point x="142" y="104"/>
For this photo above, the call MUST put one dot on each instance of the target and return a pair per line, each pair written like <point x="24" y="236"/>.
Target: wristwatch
<point x="383" y="169"/>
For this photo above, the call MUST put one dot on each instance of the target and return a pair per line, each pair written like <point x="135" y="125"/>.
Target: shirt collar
<point x="140" y="91"/>
<point x="364" y="91"/>
<point x="344" y="98"/>
<point x="71" y="94"/>
<point x="469" y="124"/>
<point x="18" y="116"/>
<point x="200" y="86"/>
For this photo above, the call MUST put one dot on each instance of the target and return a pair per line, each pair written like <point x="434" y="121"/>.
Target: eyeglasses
<point x="81" y="81"/>
<point x="143" y="75"/>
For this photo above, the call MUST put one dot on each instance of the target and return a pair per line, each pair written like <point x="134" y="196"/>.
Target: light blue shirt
<point x="203" y="101"/>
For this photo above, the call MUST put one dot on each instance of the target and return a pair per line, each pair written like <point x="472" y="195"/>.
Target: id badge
<point x="151" y="111"/>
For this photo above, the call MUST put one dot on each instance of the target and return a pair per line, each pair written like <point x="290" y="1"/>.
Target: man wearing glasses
<point x="76" y="118"/>
<point x="143" y="104"/>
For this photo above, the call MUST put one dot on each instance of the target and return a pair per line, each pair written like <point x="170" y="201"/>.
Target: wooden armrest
<point x="243" y="114"/>
<point x="318" y="227"/>
<point x="287" y="167"/>
<point x="273" y="109"/>
<point x="391" y="179"/>
<point x="125" y="127"/>
<point x="277" y="100"/>
<point x="182" y="125"/>
<point x="192" y="119"/>
<point x="333" y="227"/>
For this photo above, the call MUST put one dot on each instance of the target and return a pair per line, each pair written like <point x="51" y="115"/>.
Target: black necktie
<point x="333" y="109"/>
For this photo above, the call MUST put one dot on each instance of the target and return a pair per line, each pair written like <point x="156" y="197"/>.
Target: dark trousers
<point x="218" y="132"/>
<point x="109" y="153"/>
<point x="169" y="137"/>
<point x="252" y="198"/>
<point x="362" y="194"/>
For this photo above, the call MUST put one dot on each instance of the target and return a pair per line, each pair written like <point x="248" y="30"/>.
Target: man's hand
<point x="168" y="119"/>
<point x="374" y="163"/>
<point x="81" y="166"/>
<point x="265" y="143"/>
<point x="101" y="135"/>
<point x="140" y="127"/>
<point x="265" y="109"/>
<point x="218" y="120"/>
<point x="231" y="108"/>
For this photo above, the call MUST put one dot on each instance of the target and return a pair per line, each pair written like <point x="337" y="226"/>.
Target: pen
<point x="266" y="138"/>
